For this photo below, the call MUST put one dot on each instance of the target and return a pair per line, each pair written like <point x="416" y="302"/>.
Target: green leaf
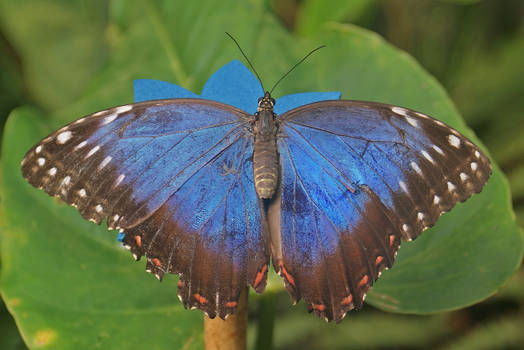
<point x="10" y="82"/>
<point x="9" y="336"/>
<point x="462" y="2"/>
<point x="366" y="329"/>
<point x="59" y="44"/>
<point x="489" y="82"/>
<point x="313" y="14"/>
<point x="68" y="284"/>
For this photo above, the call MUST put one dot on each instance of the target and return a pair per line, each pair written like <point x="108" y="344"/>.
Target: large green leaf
<point x="68" y="284"/>
<point x="59" y="45"/>
<point x="313" y="14"/>
<point x="9" y="336"/>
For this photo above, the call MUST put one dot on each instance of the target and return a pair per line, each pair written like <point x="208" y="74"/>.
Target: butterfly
<point x="215" y="190"/>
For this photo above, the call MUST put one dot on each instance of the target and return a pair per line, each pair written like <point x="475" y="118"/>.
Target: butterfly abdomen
<point x="265" y="154"/>
<point x="265" y="166"/>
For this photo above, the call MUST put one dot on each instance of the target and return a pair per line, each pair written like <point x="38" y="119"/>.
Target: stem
<point x="228" y="334"/>
<point x="266" y="320"/>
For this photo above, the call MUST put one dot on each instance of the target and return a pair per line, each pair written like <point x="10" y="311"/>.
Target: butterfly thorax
<point x="265" y="153"/>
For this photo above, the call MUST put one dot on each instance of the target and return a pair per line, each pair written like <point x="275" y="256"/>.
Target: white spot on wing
<point x="463" y="176"/>
<point x="63" y="137"/>
<point x="92" y="151"/>
<point x="477" y="154"/>
<point x="105" y="162"/>
<point x="415" y="167"/>
<point x="82" y="192"/>
<point x="438" y="149"/>
<point x="98" y="208"/>
<point x="116" y="217"/>
<point x="412" y="121"/>
<point x="420" y="216"/>
<point x="403" y="112"/>
<point x="454" y="141"/>
<point x="123" y="109"/>
<point x="436" y="200"/>
<point x="41" y="161"/>
<point x="427" y="156"/>
<point x="405" y="228"/>
<point x="65" y="181"/>
<point x="451" y="187"/>
<point x="403" y="186"/>
<point x="474" y="166"/>
<point x="80" y="145"/>
<point x="399" y="110"/>
<point x="109" y="118"/>
<point x="119" y="179"/>
<point x="52" y="171"/>
<point x="39" y="149"/>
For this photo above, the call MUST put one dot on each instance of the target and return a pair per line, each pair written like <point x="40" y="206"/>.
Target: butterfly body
<point x="265" y="155"/>
<point x="184" y="179"/>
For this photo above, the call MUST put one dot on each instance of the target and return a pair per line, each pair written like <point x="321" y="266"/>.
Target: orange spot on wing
<point x="156" y="261"/>
<point x="260" y="276"/>
<point x="180" y="284"/>
<point x="200" y="299"/>
<point x="138" y="241"/>
<point x="363" y="281"/>
<point x="392" y="239"/>
<point x="286" y="274"/>
<point x="231" y="304"/>
<point x="347" y="300"/>
<point x="379" y="260"/>
<point x="319" y="307"/>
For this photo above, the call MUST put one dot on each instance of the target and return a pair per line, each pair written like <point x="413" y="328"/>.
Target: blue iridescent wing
<point x="356" y="179"/>
<point x="176" y="176"/>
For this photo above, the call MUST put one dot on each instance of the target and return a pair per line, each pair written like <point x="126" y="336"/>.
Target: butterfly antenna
<point x="295" y="66"/>
<point x="247" y="59"/>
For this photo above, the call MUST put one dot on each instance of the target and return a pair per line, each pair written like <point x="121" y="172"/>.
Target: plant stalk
<point x="228" y="334"/>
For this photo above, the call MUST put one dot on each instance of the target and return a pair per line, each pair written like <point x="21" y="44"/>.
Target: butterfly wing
<point x="175" y="175"/>
<point x="356" y="179"/>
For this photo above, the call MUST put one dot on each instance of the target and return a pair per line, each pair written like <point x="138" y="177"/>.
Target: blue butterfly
<point x="211" y="187"/>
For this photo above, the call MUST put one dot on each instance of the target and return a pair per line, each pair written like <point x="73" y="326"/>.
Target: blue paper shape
<point x="148" y="89"/>
<point x="232" y="84"/>
<point x="235" y="85"/>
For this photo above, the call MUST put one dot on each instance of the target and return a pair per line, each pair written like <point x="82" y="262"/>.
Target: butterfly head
<point x="266" y="103"/>
<point x="264" y="122"/>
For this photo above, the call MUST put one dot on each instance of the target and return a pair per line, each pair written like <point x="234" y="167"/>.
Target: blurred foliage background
<point x="475" y="48"/>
